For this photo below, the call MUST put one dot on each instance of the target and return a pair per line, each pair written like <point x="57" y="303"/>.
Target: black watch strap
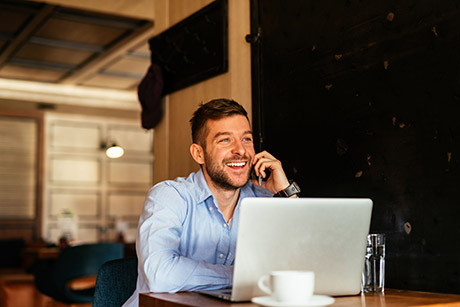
<point x="292" y="189"/>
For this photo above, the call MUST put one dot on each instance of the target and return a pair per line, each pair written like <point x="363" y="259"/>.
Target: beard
<point x="220" y="177"/>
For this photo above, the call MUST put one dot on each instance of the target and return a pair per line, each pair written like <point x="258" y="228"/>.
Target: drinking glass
<point x="374" y="264"/>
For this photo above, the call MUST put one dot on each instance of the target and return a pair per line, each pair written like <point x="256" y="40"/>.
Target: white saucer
<point x="315" y="300"/>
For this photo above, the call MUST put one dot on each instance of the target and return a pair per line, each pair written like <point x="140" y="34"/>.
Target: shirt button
<point x="225" y="225"/>
<point x="221" y="255"/>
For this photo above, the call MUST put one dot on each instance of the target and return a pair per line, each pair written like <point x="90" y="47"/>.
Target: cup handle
<point x="262" y="283"/>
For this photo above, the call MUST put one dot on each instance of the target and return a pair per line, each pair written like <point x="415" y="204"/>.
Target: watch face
<point x="296" y="187"/>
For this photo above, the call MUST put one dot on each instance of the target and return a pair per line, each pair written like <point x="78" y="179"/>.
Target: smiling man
<point x="187" y="231"/>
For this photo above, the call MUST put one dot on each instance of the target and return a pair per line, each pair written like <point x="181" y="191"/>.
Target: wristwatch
<point x="292" y="189"/>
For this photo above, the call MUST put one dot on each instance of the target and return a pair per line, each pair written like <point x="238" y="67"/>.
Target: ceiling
<point x="54" y="44"/>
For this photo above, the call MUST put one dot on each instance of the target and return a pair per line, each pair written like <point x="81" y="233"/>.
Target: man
<point x="187" y="231"/>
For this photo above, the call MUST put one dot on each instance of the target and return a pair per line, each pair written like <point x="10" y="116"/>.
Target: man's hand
<point x="277" y="180"/>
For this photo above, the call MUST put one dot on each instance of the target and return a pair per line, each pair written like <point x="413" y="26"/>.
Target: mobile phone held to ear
<point x="254" y="176"/>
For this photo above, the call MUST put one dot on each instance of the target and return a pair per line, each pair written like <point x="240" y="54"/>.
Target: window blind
<point x="18" y="167"/>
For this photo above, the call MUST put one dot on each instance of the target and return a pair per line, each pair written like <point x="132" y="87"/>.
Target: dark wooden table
<point x="388" y="299"/>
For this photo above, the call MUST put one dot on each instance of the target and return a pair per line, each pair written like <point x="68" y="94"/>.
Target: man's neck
<point x="226" y="199"/>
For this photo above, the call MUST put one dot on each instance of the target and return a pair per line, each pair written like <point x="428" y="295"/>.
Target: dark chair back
<point x="75" y="262"/>
<point x="116" y="282"/>
<point x="11" y="252"/>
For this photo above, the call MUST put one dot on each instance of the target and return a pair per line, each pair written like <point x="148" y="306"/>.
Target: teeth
<point x="236" y="164"/>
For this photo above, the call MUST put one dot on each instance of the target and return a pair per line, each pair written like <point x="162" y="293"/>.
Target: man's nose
<point x="238" y="148"/>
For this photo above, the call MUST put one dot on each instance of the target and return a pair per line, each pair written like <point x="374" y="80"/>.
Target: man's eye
<point x="248" y="139"/>
<point x="224" y="140"/>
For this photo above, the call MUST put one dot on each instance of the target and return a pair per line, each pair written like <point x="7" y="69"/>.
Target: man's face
<point x="229" y="152"/>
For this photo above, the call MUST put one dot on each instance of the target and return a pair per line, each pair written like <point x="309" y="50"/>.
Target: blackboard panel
<point x="194" y="49"/>
<point x="362" y="99"/>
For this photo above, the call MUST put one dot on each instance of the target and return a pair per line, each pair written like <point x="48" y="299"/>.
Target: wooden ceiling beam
<point x="28" y="30"/>
<point x="97" y="63"/>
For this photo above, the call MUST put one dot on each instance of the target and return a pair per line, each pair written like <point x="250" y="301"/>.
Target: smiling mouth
<point x="236" y="164"/>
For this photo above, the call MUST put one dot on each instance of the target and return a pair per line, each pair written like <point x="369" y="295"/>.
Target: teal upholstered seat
<point x="74" y="262"/>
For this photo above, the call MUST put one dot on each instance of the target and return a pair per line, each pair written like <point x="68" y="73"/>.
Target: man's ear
<point x="197" y="153"/>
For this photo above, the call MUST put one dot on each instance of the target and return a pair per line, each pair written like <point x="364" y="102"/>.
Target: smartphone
<point x="254" y="176"/>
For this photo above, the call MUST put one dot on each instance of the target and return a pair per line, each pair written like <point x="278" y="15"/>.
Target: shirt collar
<point x="203" y="191"/>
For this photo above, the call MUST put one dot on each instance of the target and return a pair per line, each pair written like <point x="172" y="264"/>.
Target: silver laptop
<point x="324" y="235"/>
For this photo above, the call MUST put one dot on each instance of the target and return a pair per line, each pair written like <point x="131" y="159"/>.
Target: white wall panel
<point x="75" y="136"/>
<point x="131" y="138"/>
<point x="130" y="173"/>
<point x="80" y="203"/>
<point x="75" y="170"/>
<point x="82" y="179"/>
<point x="88" y="234"/>
<point x="125" y="205"/>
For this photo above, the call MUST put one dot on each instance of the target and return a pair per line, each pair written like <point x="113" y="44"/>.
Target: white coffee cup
<point x="288" y="286"/>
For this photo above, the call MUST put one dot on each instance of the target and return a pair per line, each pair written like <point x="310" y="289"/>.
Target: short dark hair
<point x="214" y="109"/>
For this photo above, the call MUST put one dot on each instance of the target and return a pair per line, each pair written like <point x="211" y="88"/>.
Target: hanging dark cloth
<point x="149" y="93"/>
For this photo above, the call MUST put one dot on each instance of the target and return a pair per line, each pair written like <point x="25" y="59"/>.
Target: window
<point x="18" y="167"/>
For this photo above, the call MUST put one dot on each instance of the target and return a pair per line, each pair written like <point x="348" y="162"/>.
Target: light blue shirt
<point x="184" y="242"/>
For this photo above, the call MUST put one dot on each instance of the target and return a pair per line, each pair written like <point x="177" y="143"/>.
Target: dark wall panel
<point x="194" y="49"/>
<point x="362" y="99"/>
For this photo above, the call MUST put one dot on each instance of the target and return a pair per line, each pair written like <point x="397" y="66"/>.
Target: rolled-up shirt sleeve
<point x="164" y="232"/>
